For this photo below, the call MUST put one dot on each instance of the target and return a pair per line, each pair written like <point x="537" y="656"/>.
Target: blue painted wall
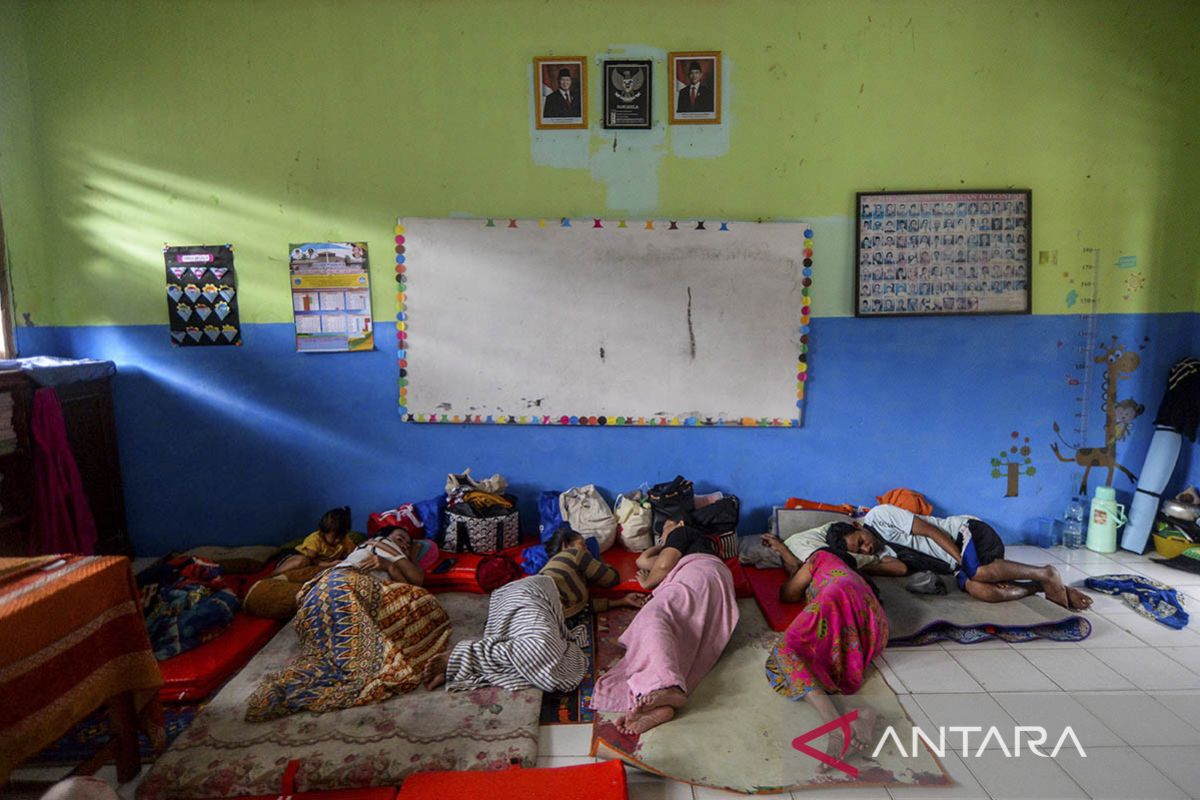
<point x="251" y="444"/>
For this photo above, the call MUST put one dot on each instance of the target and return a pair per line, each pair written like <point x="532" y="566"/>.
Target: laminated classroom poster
<point x="331" y="297"/>
<point x="202" y="295"/>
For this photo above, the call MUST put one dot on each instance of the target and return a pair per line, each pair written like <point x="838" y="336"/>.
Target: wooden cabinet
<point x="91" y="431"/>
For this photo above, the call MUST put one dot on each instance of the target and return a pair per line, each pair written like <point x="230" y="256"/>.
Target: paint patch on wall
<point x="1014" y="462"/>
<point x="1126" y="262"/>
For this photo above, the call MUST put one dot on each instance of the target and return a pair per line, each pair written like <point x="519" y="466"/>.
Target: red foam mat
<point x="765" y="584"/>
<point x="374" y="793"/>
<point x="602" y="781"/>
<point x="192" y="676"/>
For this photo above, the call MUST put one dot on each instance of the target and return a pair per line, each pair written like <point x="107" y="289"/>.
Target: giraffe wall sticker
<point x="1118" y="363"/>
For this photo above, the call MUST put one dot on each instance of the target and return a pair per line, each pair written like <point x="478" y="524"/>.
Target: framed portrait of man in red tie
<point x="560" y="92"/>
<point x="696" y="78"/>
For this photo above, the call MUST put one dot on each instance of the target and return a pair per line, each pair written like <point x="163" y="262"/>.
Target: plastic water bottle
<point x="1073" y="524"/>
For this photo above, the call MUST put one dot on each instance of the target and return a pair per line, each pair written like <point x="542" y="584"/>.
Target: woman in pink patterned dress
<point x="830" y="645"/>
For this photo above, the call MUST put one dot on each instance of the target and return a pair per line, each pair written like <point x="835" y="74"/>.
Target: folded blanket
<point x="525" y="643"/>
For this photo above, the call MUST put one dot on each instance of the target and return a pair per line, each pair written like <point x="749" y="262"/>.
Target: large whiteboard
<point x="603" y="322"/>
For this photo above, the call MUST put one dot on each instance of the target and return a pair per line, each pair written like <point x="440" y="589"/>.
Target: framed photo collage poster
<point x="943" y="252"/>
<point x="560" y="91"/>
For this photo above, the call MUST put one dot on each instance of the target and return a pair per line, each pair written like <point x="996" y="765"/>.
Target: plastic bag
<point x="633" y="522"/>
<point x="586" y="511"/>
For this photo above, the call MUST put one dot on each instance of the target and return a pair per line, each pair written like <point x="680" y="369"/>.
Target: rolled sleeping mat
<point x="1156" y="472"/>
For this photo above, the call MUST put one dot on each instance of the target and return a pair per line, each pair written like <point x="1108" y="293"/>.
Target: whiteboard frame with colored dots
<point x="604" y="323"/>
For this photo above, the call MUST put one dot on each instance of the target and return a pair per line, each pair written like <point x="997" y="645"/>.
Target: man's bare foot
<point x="1056" y="591"/>
<point x="434" y="674"/>
<point x="672" y="696"/>
<point x="864" y="730"/>
<point x="1079" y="601"/>
<point x="637" y="722"/>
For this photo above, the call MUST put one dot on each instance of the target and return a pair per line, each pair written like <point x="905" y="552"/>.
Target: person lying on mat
<point x="673" y="641"/>
<point x="391" y="556"/>
<point x="325" y="546"/>
<point x="573" y="568"/>
<point x="961" y="545"/>
<point x="828" y="648"/>
<point x="678" y="540"/>
<point x="367" y="631"/>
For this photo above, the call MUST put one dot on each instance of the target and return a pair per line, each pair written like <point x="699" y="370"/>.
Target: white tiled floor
<point x="1131" y="693"/>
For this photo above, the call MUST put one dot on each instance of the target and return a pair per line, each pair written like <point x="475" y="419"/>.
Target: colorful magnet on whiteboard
<point x="399" y="229"/>
<point x="808" y="272"/>
<point x="403" y="382"/>
<point x="806" y="282"/>
<point x="512" y="223"/>
<point x="700" y="225"/>
<point x="403" y="410"/>
<point x="803" y="368"/>
<point x="725" y="226"/>
<point x="808" y="234"/>
<point x="649" y="227"/>
<point x="400" y="335"/>
<point x="748" y="421"/>
<point x="399" y="240"/>
<point x="564" y="420"/>
<point x="808" y="262"/>
<point x="565" y="223"/>
<point x="804" y="310"/>
<point x="690" y="421"/>
<point x="456" y="418"/>
<point x="596" y="223"/>
<point x="591" y="420"/>
<point x="620" y="420"/>
<point x="400" y="259"/>
<point x="621" y="224"/>
<point x="574" y="420"/>
<point x="403" y="374"/>
<point x="523" y="419"/>
<point x="401" y="316"/>
<point x="491" y="223"/>
<point x="804" y="320"/>
<point x="803" y="376"/>
<point x="808" y="252"/>
<point x="401" y="354"/>
<point x="401" y="249"/>
<point x="674" y="226"/>
<point x="541" y="223"/>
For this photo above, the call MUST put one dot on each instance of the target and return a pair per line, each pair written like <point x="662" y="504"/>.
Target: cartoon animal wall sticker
<point x="1118" y="364"/>
<point x="1013" y="462"/>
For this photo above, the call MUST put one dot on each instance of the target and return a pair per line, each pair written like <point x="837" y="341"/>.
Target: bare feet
<point x="1053" y="586"/>
<point x="434" y="674"/>
<point x="672" y="696"/>
<point x="1078" y="600"/>
<point x="864" y="730"/>
<point x="637" y="722"/>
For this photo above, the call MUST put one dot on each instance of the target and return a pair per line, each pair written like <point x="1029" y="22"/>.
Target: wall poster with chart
<point x="943" y="252"/>
<point x="331" y="297"/>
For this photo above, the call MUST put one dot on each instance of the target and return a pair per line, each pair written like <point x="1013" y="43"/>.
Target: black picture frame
<point x="917" y="253"/>
<point x="628" y="95"/>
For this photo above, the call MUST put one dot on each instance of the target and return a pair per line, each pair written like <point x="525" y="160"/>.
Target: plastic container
<point x="1047" y="533"/>
<point x="1106" y="516"/>
<point x="1072" y="529"/>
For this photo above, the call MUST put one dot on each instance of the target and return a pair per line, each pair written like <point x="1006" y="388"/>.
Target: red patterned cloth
<point x="71" y="638"/>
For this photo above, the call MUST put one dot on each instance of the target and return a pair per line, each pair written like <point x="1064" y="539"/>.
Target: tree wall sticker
<point x="1014" y="462"/>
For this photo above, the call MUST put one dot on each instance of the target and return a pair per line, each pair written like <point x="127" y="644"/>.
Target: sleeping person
<point x="396" y="630"/>
<point x="674" y="641"/>
<point x="828" y="648"/>
<point x="526" y="641"/>
<point x="961" y="545"/>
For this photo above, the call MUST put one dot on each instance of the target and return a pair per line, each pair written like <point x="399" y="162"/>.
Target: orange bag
<point x="812" y="505"/>
<point x="908" y="499"/>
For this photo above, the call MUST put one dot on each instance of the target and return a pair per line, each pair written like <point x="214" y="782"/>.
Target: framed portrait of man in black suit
<point x="696" y="83"/>
<point x="560" y="92"/>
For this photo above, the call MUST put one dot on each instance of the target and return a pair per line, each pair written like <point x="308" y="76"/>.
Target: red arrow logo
<point x="842" y="723"/>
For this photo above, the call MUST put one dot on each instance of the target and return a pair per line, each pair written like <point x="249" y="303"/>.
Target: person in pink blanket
<point x="676" y="638"/>
<point x="828" y="648"/>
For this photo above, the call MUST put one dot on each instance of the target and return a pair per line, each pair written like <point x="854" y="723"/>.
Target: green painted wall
<point x="129" y="124"/>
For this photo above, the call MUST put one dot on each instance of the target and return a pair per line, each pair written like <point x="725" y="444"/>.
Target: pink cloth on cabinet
<point x="676" y="638"/>
<point x="62" y="519"/>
